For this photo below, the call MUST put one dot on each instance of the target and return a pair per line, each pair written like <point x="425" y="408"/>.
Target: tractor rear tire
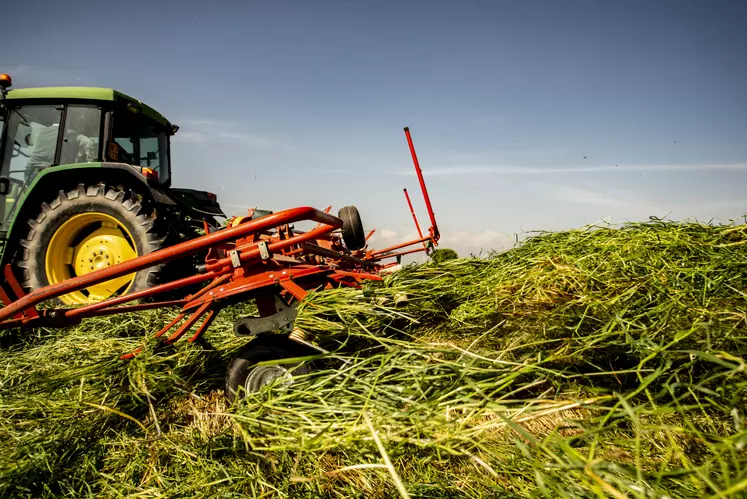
<point x="352" y="228"/>
<point x="86" y="229"/>
<point x="245" y="377"/>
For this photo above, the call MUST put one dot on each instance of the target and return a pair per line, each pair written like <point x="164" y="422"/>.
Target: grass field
<point x="600" y="362"/>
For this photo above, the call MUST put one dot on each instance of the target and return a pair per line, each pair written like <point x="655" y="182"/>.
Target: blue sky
<point x="525" y="115"/>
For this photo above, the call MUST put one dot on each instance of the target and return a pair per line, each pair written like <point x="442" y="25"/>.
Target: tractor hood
<point x="200" y="201"/>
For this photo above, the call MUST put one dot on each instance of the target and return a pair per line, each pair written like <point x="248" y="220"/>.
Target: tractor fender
<point x="158" y="194"/>
<point x="49" y="181"/>
<point x="201" y="202"/>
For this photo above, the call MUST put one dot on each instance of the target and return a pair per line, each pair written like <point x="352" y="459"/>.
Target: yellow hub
<point x="85" y="243"/>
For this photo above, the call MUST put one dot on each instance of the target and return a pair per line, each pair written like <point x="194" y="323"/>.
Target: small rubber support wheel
<point x="84" y="230"/>
<point x="244" y="376"/>
<point x="352" y="228"/>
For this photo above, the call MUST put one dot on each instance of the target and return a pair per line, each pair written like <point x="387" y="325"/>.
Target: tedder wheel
<point x="88" y="229"/>
<point x="352" y="228"/>
<point x="244" y="376"/>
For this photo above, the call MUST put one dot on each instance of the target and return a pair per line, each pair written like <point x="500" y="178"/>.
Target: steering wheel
<point x="17" y="150"/>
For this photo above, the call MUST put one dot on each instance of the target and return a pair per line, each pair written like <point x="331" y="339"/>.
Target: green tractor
<point x="85" y="183"/>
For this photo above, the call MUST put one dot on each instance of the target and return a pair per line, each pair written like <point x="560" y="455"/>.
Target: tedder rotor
<point x="262" y="257"/>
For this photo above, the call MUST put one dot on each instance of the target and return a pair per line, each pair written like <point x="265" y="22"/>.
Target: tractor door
<point x="31" y="134"/>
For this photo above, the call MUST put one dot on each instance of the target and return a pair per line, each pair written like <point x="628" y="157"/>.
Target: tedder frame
<point x="265" y="259"/>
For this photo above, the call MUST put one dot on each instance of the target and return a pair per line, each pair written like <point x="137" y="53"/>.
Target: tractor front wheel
<point x="84" y="230"/>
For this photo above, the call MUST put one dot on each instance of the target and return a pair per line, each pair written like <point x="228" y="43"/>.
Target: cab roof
<point x="85" y="93"/>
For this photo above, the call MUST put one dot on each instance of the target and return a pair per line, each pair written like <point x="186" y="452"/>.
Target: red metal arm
<point x="382" y="253"/>
<point x="415" y="218"/>
<point x="182" y="250"/>
<point x="434" y="226"/>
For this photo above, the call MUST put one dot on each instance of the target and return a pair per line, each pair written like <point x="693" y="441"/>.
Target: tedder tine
<point x="190" y="322"/>
<point x="209" y="317"/>
<point x="170" y="325"/>
<point x="160" y="333"/>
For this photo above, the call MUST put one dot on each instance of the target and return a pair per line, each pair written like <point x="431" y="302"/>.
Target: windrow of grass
<point x="600" y="362"/>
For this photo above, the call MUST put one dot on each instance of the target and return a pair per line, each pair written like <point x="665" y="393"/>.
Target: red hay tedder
<point x="261" y="258"/>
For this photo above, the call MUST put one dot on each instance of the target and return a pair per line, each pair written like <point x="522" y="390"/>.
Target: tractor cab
<point x="69" y="126"/>
<point x="85" y="182"/>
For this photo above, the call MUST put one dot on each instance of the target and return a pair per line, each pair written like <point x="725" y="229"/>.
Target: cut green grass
<point x="601" y="362"/>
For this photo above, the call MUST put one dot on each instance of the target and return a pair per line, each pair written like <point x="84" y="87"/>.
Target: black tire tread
<point x="352" y="228"/>
<point x="263" y="348"/>
<point x="124" y="205"/>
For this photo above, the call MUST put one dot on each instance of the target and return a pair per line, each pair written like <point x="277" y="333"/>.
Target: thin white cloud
<point x="606" y="199"/>
<point x="528" y="170"/>
<point x="490" y="238"/>
<point x="633" y="205"/>
<point x="387" y="234"/>
<point x="390" y="236"/>
<point x="608" y="202"/>
<point x="201" y="131"/>
<point x="476" y="241"/>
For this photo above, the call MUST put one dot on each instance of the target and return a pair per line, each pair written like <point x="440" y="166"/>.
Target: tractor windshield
<point x="36" y="138"/>
<point x="30" y="144"/>
<point x="142" y="142"/>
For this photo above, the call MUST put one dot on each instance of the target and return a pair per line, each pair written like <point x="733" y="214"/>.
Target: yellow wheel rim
<point x="83" y="244"/>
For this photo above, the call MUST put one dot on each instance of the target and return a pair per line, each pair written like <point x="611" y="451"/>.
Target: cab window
<point x="142" y="142"/>
<point x="31" y="140"/>
<point x="30" y="145"/>
<point x="80" y="142"/>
